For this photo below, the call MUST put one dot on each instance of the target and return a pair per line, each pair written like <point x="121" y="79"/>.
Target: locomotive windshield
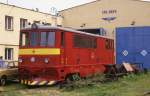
<point x="47" y="39"/>
<point x="33" y="39"/>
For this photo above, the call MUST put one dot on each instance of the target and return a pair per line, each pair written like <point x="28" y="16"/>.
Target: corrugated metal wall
<point x="133" y="45"/>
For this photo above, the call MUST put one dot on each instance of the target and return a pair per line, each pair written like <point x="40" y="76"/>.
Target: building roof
<point x="25" y="8"/>
<point x="96" y="1"/>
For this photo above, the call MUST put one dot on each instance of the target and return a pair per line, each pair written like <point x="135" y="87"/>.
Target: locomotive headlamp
<point x="20" y="60"/>
<point x="32" y="59"/>
<point x="46" y="60"/>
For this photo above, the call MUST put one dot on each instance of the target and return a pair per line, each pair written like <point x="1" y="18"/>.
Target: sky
<point x="48" y="6"/>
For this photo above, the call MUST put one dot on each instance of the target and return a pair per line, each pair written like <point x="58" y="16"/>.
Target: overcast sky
<point x="47" y="5"/>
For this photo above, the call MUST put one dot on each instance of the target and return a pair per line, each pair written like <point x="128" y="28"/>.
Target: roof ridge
<point x="79" y="5"/>
<point x="25" y="8"/>
<point x="96" y="1"/>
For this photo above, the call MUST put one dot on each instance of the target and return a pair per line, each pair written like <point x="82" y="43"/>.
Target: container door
<point x="124" y="46"/>
<point x="142" y="41"/>
<point x="133" y="45"/>
<point x="147" y="61"/>
<point x="138" y="44"/>
<point x="146" y="47"/>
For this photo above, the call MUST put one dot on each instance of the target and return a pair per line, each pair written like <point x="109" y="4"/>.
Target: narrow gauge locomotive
<point x="51" y="54"/>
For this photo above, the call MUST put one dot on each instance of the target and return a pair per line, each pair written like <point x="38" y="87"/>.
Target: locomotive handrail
<point x="8" y="64"/>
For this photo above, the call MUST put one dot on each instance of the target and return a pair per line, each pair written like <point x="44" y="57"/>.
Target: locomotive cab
<point x="39" y="54"/>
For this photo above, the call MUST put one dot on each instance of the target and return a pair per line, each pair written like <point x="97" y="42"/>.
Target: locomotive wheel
<point x="72" y="77"/>
<point x="76" y="77"/>
<point x="69" y="79"/>
<point x="3" y="81"/>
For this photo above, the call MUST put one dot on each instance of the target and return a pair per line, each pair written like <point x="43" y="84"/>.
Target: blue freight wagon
<point x="133" y="45"/>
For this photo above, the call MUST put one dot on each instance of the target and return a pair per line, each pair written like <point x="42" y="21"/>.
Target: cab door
<point x="63" y="55"/>
<point x="62" y="45"/>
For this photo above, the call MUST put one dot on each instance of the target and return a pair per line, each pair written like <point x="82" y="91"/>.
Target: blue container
<point x="133" y="45"/>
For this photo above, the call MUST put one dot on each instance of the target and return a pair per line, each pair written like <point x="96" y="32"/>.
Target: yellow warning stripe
<point x="21" y="81"/>
<point x="51" y="82"/>
<point x="26" y="82"/>
<point x="34" y="83"/>
<point x="42" y="83"/>
<point x="40" y="51"/>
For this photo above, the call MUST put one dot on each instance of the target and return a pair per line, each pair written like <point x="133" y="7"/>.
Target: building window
<point x="8" y="53"/>
<point x="23" y="23"/>
<point x="9" y="23"/>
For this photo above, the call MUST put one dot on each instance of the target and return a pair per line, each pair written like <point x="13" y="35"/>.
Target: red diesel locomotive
<point x="51" y="54"/>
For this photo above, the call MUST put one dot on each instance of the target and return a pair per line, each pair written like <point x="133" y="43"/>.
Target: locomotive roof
<point x="62" y="28"/>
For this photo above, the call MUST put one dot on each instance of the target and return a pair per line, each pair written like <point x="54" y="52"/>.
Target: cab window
<point x="24" y="39"/>
<point x="43" y="39"/>
<point x="47" y="39"/>
<point x="33" y="39"/>
<point x="51" y="39"/>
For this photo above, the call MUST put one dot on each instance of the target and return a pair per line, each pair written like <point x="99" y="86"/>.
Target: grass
<point x="131" y="85"/>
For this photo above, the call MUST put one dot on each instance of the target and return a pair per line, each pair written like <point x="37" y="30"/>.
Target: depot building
<point x="103" y="16"/>
<point x="14" y="18"/>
